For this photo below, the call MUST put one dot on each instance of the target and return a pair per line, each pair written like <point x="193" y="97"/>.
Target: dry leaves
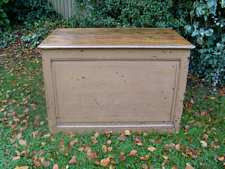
<point x="73" y="160"/>
<point x="22" y="142"/>
<point x="203" y="143"/>
<point x="122" y="156"/>
<point x="138" y="141"/>
<point x="132" y="153"/>
<point x="127" y="132"/>
<point x="221" y="158"/>
<point x="144" y="158"/>
<point x="151" y="148"/>
<point x="188" y="166"/>
<point x="105" y="162"/>
<point x="55" y="166"/>
<point x="91" y="154"/>
<point x="22" y="167"/>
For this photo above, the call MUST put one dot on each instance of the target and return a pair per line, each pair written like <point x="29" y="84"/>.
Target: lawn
<point x="26" y="142"/>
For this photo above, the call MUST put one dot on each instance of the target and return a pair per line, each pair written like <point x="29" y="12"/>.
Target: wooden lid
<point x="115" y="38"/>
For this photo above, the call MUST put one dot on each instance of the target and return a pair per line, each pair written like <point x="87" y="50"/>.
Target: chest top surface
<point x="115" y="38"/>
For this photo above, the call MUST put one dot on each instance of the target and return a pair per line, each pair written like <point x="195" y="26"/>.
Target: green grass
<point x="23" y="117"/>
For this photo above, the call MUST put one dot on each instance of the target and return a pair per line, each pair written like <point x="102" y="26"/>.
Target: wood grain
<point x="115" y="38"/>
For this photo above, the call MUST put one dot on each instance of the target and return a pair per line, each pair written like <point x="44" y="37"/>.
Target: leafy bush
<point x="21" y="11"/>
<point x="4" y="21"/>
<point x="204" y="25"/>
<point x="123" y="13"/>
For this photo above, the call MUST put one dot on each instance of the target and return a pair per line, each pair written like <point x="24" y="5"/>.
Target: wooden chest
<point x="114" y="79"/>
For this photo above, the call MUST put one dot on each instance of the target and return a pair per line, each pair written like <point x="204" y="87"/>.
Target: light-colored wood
<point x="115" y="38"/>
<point x="115" y="88"/>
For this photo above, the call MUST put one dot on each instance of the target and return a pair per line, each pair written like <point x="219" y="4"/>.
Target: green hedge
<point x="124" y="13"/>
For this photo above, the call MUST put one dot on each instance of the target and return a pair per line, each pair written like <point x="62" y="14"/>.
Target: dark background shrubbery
<point x="200" y="21"/>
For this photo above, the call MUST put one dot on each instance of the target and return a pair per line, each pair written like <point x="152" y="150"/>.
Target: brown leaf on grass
<point x="22" y="167"/>
<point x="72" y="143"/>
<point x="151" y="148"/>
<point x="144" y="158"/>
<point x="94" y="140"/>
<point x="221" y="158"/>
<point x="16" y="158"/>
<point x="22" y="142"/>
<point x="122" y="137"/>
<point x="203" y="143"/>
<point x="138" y="141"/>
<point x="174" y="167"/>
<point x="122" y="156"/>
<point x="191" y="152"/>
<point x="204" y="113"/>
<point x="91" y="154"/>
<point x="108" y="142"/>
<point x="105" y="162"/>
<point x="45" y="163"/>
<point x="132" y="153"/>
<point x="188" y="166"/>
<point x="55" y="166"/>
<point x="36" y="162"/>
<point x="127" y="132"/>
<point x="177" y="147"/>
<point x="104" y="148"/>
<point x="108" y="133"/>
<point x="73" y="160"/>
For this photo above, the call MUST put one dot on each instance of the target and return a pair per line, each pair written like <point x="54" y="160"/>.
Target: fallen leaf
<point x="144" y="166"/>
<point x="188" y="166"/>
<point x="151" y="148"/>
<point x="165" y="157"/>
<point x="174" y="167"/>
<point x="105" y="162"/>
<point x="109" y="149"/>
<point x="22" y="142"/>
<point x="203" y="144"/>
<point x="73" y="160"/>
<point x="122" y="156"/>
<point x="221" y="158"/>
<point x="96" y="134"/>
<point x="22" y="167"/>
<point x="36" y="162"/>
<point x="108" y="133"/>
<point x="203" y="113"/>
<point x="177" y="147"/>
<point x="104" y="148"/>
<point x="127" y="133"/>
<point x="73" y="142"/>
<point x="55" y="166"/>
<point x="91" y="154"/>
<point x="16" y="158"/>
<point x="109" y="142"/>
<point x="122" y="137"/>
<point x="144" y="158"/>
<point x="138" y="141"/>
<point x="45" y="163"/>
<point x="132" y="153"/>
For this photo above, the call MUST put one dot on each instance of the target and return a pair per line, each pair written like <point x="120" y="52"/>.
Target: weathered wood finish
<point x="115" y="38"/>
<point x="103" y="88"/>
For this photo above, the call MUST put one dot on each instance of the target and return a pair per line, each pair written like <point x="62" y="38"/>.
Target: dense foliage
<point x="4" y="21"/>
<point x="201" y="21"/>
<point x="123" y="13"/>
<point x="30" y="21"/>
<point x="204" y="25"/>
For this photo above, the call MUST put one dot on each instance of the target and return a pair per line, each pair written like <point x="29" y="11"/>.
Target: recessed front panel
<point x="114" y="91"/>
